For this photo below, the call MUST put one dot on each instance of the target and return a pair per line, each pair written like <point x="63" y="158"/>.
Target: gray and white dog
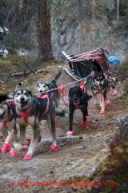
<point x="30" y="110"/>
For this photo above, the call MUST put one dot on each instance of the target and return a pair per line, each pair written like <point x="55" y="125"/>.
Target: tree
<point x="44" y="30"/>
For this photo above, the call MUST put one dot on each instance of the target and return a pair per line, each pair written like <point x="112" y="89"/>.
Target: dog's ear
<point x="19" y="85"/>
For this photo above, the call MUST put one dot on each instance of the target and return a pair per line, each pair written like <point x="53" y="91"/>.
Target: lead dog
<point x="8" y="123"/>
<point x="78" y="99"/>
<point x="30" y="110"/>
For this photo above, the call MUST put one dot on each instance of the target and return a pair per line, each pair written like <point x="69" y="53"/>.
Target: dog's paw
<point x="85" y="124"/>
<point x="102" y="112"/>
<point x="6" y="148"/>
<point x="28" y="156"/>
<point x="54" y="148"/>
<point x="112" y="94"/>
<point x="108" y="102"/>
<point x="69" y="134"/>
<point x="13" y="153"/>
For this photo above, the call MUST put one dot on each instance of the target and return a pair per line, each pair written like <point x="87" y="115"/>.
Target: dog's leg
<point x="36" y="134"/>
<point x="71" y="113"/>
<point x="25" y="143"/>
<point x="8" y="145"/>
<point x="51" y="126"/>
<point x="86" y="119"/>
<point x="103" y="99"/>
<point x="95" y="98"/>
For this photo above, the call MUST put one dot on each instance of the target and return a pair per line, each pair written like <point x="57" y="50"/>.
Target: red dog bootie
<point x="6" y="148"/>
<point x="85" y="124"/>
<point x="69" y="134"/>
<point x="54" y="148"/>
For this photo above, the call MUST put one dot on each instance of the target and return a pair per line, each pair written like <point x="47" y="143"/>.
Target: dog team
<point x="23" y="108"/>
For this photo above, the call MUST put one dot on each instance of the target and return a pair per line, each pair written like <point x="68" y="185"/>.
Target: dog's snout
<point x="41" y="91"/>
<point x="22" y="99"/>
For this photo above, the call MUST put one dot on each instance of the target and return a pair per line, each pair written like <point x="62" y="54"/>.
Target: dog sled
<point x="82" y="65"/>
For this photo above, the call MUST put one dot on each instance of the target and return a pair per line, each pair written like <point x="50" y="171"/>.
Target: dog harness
<point x="45" y="96"/>
<point x="25" y="114"/>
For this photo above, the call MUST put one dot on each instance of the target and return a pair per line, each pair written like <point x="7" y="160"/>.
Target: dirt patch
<point x="75" y="159"/>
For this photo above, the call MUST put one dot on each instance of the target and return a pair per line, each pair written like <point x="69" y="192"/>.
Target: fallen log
<point x="16" y="74"/>
<point x="59" y="139"/>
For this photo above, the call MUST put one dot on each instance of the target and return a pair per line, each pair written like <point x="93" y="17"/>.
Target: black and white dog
<point x="30" y="110"/>
<point x="99" y="87"/>
<point x="8" y="123"/>
<point x="51" y="88"/>
<point x="78" y="99"/>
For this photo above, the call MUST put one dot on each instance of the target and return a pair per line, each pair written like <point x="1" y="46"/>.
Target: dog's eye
<point x="18" y="94"/>
<point x="26" y="94"/>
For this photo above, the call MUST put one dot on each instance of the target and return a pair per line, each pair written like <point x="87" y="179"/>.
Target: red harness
<point x="25" y="114"/>
<point x="5" y="122"/>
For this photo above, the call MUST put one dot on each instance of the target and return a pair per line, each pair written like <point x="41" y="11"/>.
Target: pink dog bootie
<point x="6" y="148"/>
<point x="13" y="153"/>
<point x="87" y="119"/>
<point x="112" y="94"/>
<point x="69" y="134"/>
<point x="28" y="156"/>
<point x="102" y="112"/>
<point x="108" y="102"/>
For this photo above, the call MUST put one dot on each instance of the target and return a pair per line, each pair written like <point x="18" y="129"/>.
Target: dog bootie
<point x="39" y="139"/>
<point x="112" y="94"/>
<point x="57" y="117"/>
<point x="6" y="148"/>
<point x="102" y="112"/>
<point x="108" y="102"/>
<point x="69" y="134"/>
<point x="28" y="156"/>
<point x="54" y="148"/>
<point x="87" y="119"/>
<point x="13" y="153"/>
<point x="85" y="124"/>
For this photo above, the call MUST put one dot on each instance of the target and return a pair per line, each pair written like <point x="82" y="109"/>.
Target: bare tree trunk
<point x="44" y="30"/>
<point x="93" y="10"/>
<point x="118" y="15"/>
<point x="81" y="25"/>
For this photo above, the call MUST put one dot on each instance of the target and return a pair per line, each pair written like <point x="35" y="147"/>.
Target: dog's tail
<point x="61" y="112"/>
<point x="58" y="74"/>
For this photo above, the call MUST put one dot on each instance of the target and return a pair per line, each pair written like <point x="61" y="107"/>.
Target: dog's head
<point x="22" y="98"/>
<point x="99" y="80"/>
<point x="113" y="74"/>
<point x="75" y="94"/>
<point x="42" y="87"/>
